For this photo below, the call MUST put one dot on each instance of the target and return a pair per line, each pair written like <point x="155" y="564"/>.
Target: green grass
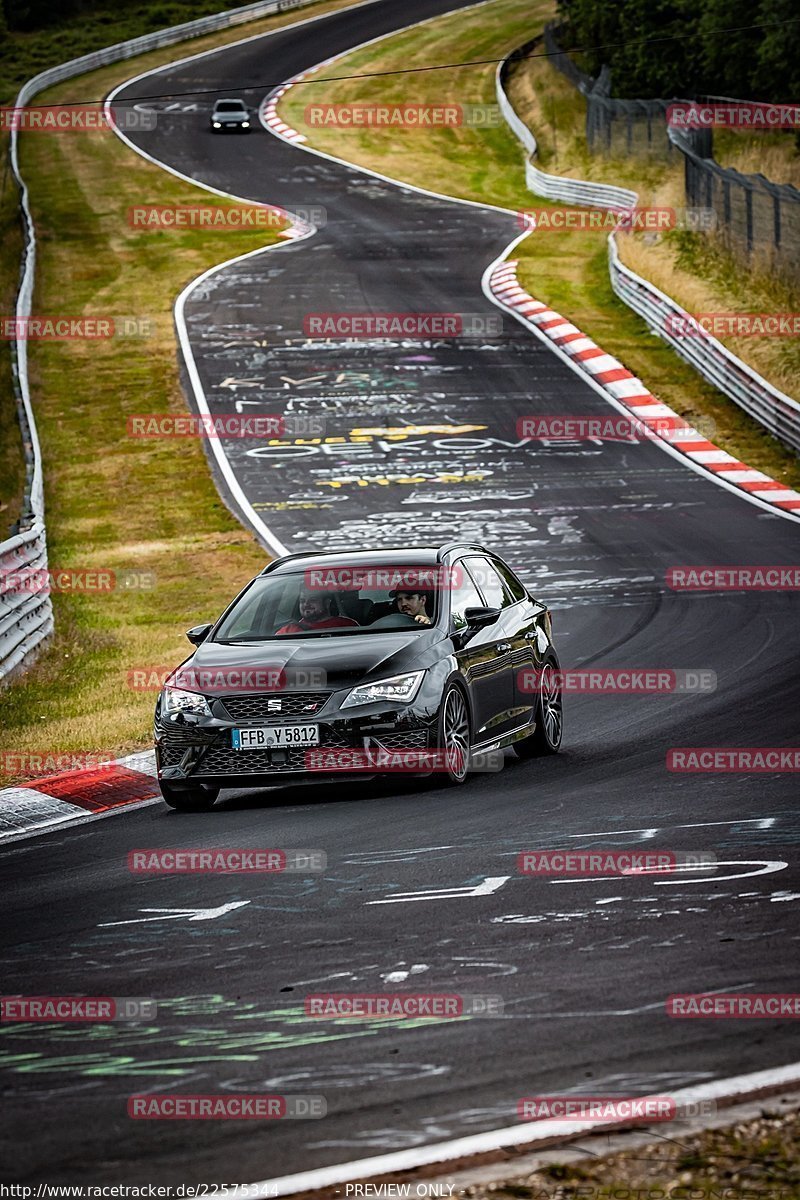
<point x="113" y="502"/>
<point x="24" y="54"/>
<point x="482" y="164"/>
<point x="566" y="270"/>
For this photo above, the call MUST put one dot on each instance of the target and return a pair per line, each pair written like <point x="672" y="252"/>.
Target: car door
<point x="484" y="656"/>
<point x="529" y="641"/>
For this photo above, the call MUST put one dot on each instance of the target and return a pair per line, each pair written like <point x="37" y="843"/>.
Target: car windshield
<point x="335" y="601"/>
<point x="230" y="106"/>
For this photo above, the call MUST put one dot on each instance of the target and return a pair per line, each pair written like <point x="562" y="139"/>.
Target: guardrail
<point x="772" y="408"/>
<point x="554" y="187"/>
<point x="777" y="412"/>
<point x="26" y="614"/>
<point x="577" y="191"/>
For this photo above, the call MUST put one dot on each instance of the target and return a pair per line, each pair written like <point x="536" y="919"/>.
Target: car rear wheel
<point x="546" y="738"/>
<point x="193" y="799"/>
<point x="454" y="735"/>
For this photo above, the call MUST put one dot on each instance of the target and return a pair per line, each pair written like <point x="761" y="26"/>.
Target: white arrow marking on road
<point x="492" y="883"/>
<point x="232" y="382"/>
<point x="175" y="914"/>
<point x="288" y="381"/>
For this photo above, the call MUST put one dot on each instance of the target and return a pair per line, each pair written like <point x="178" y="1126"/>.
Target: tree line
<point x="26" y="16"/>
<point x="707" y="47"/>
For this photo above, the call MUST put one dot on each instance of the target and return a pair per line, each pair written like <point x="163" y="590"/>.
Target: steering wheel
<point x="396" y="621"/>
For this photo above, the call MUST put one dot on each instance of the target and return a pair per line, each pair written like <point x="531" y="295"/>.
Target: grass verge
<point x="692" y="268"/>
<point x="757" y="1158"/>
<point x="95" y="25"/>
<point x="113" y="502"/>
<point x="565" y="270"/>
<point x="776" y="155"/>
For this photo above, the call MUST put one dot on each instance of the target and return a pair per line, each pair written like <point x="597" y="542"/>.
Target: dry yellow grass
<point x="566" y="270"/>
<point x="774" y="155"/>
<point x="756" y="1158"/>
<point x="446" y="159"/>
<point x="692" y="270"/>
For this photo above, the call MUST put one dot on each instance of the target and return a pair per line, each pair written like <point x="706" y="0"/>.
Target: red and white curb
<point x="620" y="384"/>
<point x="269" y="116"/>
<point x="268" y="113"/>
<point x="623" y="387"/>
<point x="77" y="796"/>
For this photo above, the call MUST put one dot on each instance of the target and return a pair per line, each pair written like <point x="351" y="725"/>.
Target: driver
<point x="412" y="604"/>
<point x="315" y="613"/>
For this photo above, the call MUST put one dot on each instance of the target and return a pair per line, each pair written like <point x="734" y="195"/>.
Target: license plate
<point x="273" y="737"/>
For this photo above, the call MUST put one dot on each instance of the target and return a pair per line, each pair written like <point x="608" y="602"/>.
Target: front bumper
<point x="192" y="750"/>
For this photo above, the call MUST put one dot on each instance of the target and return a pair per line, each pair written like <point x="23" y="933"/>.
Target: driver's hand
<point x="423" y="620"/>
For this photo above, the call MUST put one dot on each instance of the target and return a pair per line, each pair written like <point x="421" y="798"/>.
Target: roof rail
<point x="278" y="562"/>
<point x="448" y="546"/>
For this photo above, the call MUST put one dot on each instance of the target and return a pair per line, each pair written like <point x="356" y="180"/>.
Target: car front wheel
<point x="192" y="799"/>
<point x="546" y="738"/>
<point x="454" y="735"/>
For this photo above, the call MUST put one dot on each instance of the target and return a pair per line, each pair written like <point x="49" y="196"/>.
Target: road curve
<point x="583" y="968"/>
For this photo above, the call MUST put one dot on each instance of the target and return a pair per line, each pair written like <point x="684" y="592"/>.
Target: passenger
<point x="315" y="613"/>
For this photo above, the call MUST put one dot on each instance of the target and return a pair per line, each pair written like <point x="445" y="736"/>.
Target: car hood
<point x="345" y="660"/>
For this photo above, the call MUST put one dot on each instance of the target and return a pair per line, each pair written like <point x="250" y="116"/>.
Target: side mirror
<point x="477" y="618"/>
<point x="199" y="633"/>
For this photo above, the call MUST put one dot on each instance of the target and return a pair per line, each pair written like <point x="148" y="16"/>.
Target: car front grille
<point x="171" y="754"/>
<point x="224" y="761"/>
<point x="412" y="739"/>
<point x="293" y="704"/>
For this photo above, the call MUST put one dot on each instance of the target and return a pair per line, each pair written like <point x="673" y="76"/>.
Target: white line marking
<point x="769" y="867"/>
<point x="761" y="822"/>
<point x="603" y="391"/>
<point x="400" y="183"/>
<point x="410" y="1159"/>
<point x="496" y="1139"/>
<point x="401" y="976"/>
<point x="491" y="884"/>
<point x="176" y="914"/>
<point x="273" y="544"/>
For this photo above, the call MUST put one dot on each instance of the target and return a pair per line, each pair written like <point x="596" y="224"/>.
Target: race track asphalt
<point x="583" y="968"/>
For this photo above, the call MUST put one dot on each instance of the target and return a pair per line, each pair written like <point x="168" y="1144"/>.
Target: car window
<point x="490" y="582"/>
<point x="378" y="599"/>
<point x="230" y="106"/>
<point x="465" y="595"/>
<point x="513" y="585"/>
<point x="257" y="611"/>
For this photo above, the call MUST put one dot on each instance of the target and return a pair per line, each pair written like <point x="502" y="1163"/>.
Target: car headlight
<point x="402" y="688"/>
<point x="217" y="125"/>
<point x="177" y="700"/>
<point x="245" y="124"/>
